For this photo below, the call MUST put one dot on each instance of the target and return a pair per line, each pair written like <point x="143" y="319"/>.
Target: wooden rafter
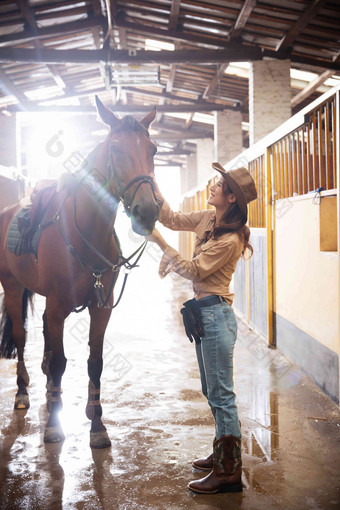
<point x="9" y="88"/>
<point x="61" y="28"/>
<point x="235" y="33"/>
<point x="305" y="18"/>
<point x="214" y="81"/>
<point x="29" y="17"/>
<point x="182" y="134"/>
<point x="174" y="14"/>
<point x="171" y="79"/>
<point x="189" y="121"/>
<point x="303" y="59"/>
<point x="311" y="87"/>
<point x="167" y="95"/>
<point x="176" y="152"/>
<point x="243" y="17"/>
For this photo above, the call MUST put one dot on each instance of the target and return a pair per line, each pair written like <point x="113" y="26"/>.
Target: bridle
<point x="119" y="193"/>
<point x="122" y="190"/>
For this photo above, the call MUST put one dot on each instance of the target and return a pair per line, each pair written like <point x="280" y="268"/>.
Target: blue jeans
<point x="215" y="360"/>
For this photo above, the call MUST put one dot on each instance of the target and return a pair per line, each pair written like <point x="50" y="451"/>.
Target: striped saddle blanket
<point x="23" y="234"/>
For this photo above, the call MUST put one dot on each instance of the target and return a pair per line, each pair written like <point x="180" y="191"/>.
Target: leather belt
<point x="210" y="300"/>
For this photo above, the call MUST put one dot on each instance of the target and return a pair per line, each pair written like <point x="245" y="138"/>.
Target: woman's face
<point x="217" y="198"/>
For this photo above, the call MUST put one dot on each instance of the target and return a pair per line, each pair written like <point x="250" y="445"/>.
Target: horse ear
<point x="150" y="117"/>
<point x="106" y="114"/>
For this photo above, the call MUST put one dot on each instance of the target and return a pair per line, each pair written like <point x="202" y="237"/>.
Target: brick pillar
<point x="8" y="156"/>
<point x="205" y="156"/>
<point x="227" y="135"/>
<point x="269" y="96"/>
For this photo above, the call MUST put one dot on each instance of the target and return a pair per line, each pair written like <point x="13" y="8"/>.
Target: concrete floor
<point x="158" y="420"/>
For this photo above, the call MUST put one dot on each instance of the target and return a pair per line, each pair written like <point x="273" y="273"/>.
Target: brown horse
<point x="77" y="260"/>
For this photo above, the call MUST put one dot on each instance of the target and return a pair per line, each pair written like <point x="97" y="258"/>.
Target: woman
<point x="221" y="239"/>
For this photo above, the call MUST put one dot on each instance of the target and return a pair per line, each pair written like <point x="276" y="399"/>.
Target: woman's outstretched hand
<point x="158" y="194"/>
<point x="156" y="237"/>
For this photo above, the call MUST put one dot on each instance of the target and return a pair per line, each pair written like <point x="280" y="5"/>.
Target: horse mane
<point x="129" y="123"/>
<point x="70" y="180"/>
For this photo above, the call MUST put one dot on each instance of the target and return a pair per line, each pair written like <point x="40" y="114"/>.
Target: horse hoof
<point x="53" y="435"/>
<point x="99" y="439"/>
<point x="21" y="402"/>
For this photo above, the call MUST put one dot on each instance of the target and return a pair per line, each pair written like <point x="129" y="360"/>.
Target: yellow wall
<point x="307" y="292"/>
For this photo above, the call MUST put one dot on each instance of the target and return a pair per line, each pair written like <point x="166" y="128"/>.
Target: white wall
<point x="306" y="279"/>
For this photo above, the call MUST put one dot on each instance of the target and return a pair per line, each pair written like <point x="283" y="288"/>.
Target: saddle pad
<point x="15" y="241"/>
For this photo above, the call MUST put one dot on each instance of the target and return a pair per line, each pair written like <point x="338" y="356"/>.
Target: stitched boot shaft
<point x="227" y="455"/>
<point x="227" y="468"/>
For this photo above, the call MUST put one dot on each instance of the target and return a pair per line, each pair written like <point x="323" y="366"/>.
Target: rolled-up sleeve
<point x="179" y="220"/>
<point x="214" y="255"/>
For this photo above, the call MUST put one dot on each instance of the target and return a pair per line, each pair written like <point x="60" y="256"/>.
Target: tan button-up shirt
<point x="214" y="261"/>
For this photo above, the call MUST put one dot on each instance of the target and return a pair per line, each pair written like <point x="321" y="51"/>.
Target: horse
<point x="78" y="259"/>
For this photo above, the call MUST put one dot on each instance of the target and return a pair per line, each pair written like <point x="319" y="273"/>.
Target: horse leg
<point x="55" y="317"/>
<point x="99" y="319"/>
<point x="14" y="305"/>
<point x="45" y="365"/>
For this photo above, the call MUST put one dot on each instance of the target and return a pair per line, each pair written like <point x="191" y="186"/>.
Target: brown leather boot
<point x="227" y="468"/>
<point x="204" y="464"/>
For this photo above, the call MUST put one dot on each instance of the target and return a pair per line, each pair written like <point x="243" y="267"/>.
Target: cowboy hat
<point x="241" y="184"/>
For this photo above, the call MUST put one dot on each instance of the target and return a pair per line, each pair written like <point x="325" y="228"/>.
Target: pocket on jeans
<point x="230" y="320"/>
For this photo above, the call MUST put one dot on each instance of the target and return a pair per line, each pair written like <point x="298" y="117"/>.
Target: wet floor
<point x="159" y="422"/>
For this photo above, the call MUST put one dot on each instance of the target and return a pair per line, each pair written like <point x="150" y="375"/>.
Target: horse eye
<point x="147" y="134"/>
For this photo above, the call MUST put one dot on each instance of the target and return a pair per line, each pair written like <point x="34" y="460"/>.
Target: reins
<point x="98" y="287"/>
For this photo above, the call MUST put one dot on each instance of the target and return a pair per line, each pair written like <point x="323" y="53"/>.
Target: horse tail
<point x="7" y="346"/>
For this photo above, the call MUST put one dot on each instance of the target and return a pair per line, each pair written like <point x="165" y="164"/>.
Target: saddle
<point x="24" y="234"/>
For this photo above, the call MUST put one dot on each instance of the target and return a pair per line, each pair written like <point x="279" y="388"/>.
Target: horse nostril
<point x="136" y="212"/>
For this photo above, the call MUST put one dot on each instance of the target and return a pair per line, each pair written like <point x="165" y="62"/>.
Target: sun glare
<point x="47" y="141"/>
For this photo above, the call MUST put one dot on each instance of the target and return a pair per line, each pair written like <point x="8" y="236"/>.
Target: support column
<point x="269" y="96"/>
<point x="228" y="135"/>
<point x="189" y="174"/>
<point x="205" y="156"/>
<point x="8" y="155"/>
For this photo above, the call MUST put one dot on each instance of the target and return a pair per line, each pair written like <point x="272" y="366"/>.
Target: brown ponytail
<point x="234" y="221"/>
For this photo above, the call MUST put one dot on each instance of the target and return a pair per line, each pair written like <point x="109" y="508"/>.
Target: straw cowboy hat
<point x="241" y="184"/>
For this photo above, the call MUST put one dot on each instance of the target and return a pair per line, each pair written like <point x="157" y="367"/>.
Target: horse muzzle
<point x="143" y="218"/>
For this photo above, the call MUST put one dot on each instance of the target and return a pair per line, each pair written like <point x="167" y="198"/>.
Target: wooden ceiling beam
<point x="174" y="14"/>
<point x="170" y="108"/>
<point x="8" y="88"/>
<point x="173" y="35"/>
<point x="213" y="83"/>
<point x="181" y="134"/>
<point x="236" y="52"/>
<point x="176" y="152"/>
<point x="189" y="121"/>
<point x="305" y="18"/>
<point x="153" y="93"/>
<point x="303" y="59"/>
<point x="242" y="18"/>
<point x="171" y="79"/>
<point x="311" y="87"/>
<point x="29" y="17"/>
<point x="61" y="28"/>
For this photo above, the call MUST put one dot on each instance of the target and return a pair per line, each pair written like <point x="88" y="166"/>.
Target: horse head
<point x="130" y="152"/>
